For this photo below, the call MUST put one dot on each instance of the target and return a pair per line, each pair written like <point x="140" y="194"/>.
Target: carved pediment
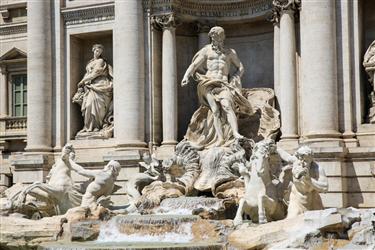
<point x="13" y="55"/>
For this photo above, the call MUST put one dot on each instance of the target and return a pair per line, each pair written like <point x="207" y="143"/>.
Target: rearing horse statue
<point x="263" y="198"/>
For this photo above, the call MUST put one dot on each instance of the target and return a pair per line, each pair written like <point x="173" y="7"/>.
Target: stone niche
<point x="253" y="42"/>
<point x="80" y="54"/>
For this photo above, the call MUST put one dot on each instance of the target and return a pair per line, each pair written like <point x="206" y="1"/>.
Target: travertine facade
<point x="312" y="54"/>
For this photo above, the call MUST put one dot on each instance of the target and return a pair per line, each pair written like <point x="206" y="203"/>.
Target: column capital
<point x="167" y="21"/>
<point x="203" y="27"/>
<point x="283" y="6"/>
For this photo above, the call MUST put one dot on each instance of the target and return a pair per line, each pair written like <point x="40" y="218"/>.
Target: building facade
<point x="310" y="52"/>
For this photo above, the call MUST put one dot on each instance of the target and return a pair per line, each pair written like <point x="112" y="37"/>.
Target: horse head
<point x="261" y="155"/>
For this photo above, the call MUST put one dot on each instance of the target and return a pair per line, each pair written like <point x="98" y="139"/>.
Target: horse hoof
<point x="237" y="222"/>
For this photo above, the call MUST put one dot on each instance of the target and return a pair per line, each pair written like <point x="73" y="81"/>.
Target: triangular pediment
<point x="13" y="54"/>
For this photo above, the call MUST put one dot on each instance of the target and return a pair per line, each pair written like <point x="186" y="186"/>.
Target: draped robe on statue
<point x="97" y="98"/>
<point x="201" y="132"/>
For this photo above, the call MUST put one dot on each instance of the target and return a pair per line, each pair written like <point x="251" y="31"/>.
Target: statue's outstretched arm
<point x="198" y="60"/>
<point x="80" y="170"/>
<point x="320" y="184"/>
<point x="240" y="68"/>
<point x="285" y="156"/>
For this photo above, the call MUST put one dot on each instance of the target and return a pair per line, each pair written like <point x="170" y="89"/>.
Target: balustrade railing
<point x="13" y="126"/>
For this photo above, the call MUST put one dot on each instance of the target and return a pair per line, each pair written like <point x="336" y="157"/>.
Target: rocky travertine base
<point x="347" y="228"/>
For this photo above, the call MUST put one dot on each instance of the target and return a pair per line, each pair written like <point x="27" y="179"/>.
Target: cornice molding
<point x="229" y="10"/>
<point x="14" y="28"/>
<point x="88" y="14"/>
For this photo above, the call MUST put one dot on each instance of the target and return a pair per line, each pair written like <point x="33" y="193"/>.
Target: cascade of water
<point x="147" y="229"/>
<point x="185" y="205"/>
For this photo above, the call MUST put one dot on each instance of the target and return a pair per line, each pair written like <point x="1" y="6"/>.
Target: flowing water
<point x="185" y="205"/>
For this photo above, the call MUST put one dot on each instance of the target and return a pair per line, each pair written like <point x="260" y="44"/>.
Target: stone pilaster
<point x="156" y="81"/>
<point x="169" y="79"/>
<point x="319" y="73"/>
<point x="39" y="71"/>
<point x="286" y="91"/>
<point x="3" y="92"/>
<point x="129" y="78"/>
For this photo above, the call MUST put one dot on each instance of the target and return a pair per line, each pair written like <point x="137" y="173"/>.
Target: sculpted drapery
<point x="215" y="122"/>
<point x="95" y="94"/>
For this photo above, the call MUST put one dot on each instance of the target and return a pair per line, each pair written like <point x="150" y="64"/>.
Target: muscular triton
<point x="218" y="91"/>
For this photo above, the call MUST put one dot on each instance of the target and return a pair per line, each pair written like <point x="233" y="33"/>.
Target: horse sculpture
<point x="263" y="197"/>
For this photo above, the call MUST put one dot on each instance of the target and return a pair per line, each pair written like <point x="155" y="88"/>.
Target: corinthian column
<point x="287" y="85"/>
<point x="39" y="68"/>
<point x="169" y="79"/>
<point x="129" y="79"/>
<point x="319" y="72"/>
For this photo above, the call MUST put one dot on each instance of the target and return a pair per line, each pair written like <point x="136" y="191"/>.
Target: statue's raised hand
<point x="184" y="81"/>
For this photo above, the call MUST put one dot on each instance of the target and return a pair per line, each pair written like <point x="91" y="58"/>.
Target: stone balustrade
<point x="13" y="127"/>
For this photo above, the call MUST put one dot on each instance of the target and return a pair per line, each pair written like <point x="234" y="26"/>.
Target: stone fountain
<point x="227" y="186"/>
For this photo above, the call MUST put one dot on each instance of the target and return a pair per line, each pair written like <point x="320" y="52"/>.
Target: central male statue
<point x="215" y="122"/>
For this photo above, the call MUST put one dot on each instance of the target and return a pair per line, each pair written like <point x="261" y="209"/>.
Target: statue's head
<point x="68" y="151"/>
<point x="114" y="166"/>
<point x="217" y="34"/>
<point x="97" y="49"/>
<point x="146" y="157"/>
<point x="305" y="154"/>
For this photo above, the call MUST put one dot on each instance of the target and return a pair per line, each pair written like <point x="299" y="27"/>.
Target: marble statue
<point x="221" y="132"/>
<point x="262" y="200"/>
<point x="59" y="190"/>
<point x="309" y="179"/>
<point x="137" y="182"/>
<point x="101" y="186"/>
<point x="215" y="122"/>
<point x="94" y="95"/>
<point x="369" y="64"/>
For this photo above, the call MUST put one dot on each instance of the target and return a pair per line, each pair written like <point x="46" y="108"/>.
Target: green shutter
<point x="19" y="95"/>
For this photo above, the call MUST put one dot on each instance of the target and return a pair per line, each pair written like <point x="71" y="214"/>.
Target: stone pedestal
<point x="319" y="73"/>
<point x="29" y="168"/>
<point x="129" y="78"/>
<point x="39" y="68"/>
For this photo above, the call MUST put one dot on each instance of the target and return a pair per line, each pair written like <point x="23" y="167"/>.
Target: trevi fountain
<point x="239" y="177"/>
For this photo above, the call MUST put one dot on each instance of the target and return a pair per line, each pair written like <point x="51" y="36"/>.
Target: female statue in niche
<point x="95" y="95"/>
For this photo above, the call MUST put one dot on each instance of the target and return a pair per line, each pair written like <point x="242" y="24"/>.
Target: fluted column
<point x="3" y="92"/>
<point x="39" y="70"/>
<point x="129" y="79"/>
<point x="319" y="71"/>
<point x="169" y="79"/>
